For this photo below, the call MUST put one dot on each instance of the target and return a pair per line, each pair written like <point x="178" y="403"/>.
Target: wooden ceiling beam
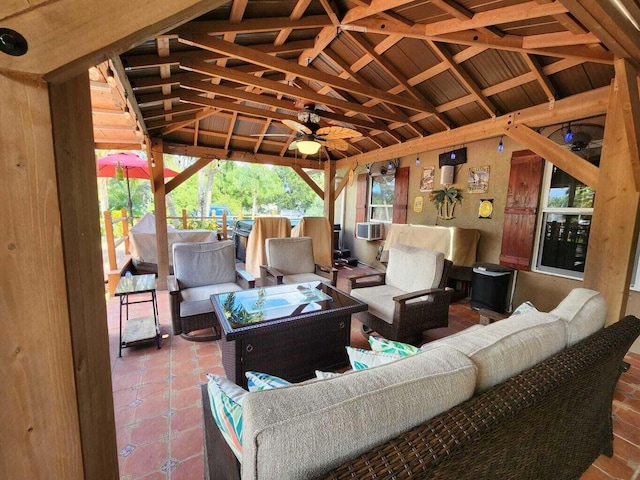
<point x="207" y="112"/>
<point x="564" y="159"/>
<point x="248" y="157"/>
<point x="274" y="102"/>
<point x="508" y="42"/>
<point x="132" y="62"/>
<point x="308" y="180"/>
<point x="77" y="36"/>
<point x="259" y="58"/>
<point x="175" y="109"/>
<point x="566" y="20"/>
<point x="583" y="105"/>
<point x="253" y="25"/>
<point x="543" y="80"/>
<point x="186" y="174"/>
<point x="288" y="90"/>
<point x="610" y="25"/>
<point x="558" y="39"/>
<point x="375" y="7"/>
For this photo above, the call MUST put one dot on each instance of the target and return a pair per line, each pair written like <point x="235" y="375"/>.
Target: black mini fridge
<point x="490" y="286"/>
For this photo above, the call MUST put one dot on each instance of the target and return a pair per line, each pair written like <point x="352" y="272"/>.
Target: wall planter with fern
<point x="445" y="201"/>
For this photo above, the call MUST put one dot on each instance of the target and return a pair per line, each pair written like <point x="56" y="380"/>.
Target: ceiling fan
<point x="583" y="139"/>
<point x="310" y="136"/>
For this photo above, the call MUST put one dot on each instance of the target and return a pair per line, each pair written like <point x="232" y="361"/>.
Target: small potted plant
<point x="445" y="201"/>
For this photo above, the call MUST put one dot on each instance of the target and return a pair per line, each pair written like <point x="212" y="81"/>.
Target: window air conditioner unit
<point x="369" y="231"/>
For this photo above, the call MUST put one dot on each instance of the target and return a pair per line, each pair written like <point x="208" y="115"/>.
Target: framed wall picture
<point x="426" y="181"/>
<point x="479" y="179"/>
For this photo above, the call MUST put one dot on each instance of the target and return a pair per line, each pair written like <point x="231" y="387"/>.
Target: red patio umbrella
<point x="132" y="165"/>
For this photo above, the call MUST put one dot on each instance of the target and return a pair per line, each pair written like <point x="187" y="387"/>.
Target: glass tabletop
<point x="257" y="305"/>
<point x="135" y="284"/>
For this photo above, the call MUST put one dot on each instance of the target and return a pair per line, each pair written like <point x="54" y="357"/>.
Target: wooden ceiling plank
<point x="239" y="77"/>
<point x="196" y="119"/>
<point x="375" y="7"/>
<point x="564" y="159"/>
<point x="464" y="78"/>
<point x="251" y="56"/>
<point x="583" y="105"/>
<point x="558" y="39"/>
<point x="398" y="77"/>
<point x="177" y="109"/>
<point x="543" y="80"/>
<point x="627" y="81"/>
<point x="252" y="25"/>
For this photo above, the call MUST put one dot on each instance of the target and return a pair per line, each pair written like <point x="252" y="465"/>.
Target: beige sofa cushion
<point x="412" y="268"/>
<point x="303" y="430"/>
<point x="508" y="347"/>
<point x="584" y="312"/>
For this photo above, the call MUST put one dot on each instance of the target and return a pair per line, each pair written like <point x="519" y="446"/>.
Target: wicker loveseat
<point x="551" y="421"/>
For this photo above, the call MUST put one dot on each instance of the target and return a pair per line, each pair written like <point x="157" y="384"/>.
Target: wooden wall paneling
<point x="160" y="209"/>
<point x="401" y="195"/>
<point x="614" y="225"/>
<point x="521" y="210"/>
<point x="79" y="215"/>
<point x="39" y="426"/>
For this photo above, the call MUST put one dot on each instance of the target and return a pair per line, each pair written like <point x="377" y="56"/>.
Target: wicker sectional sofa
<point x="526" y="397"/>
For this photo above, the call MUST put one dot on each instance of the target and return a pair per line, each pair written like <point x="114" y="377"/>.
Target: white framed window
<point x="564" y="222"/>
<point x="381" y="192"/>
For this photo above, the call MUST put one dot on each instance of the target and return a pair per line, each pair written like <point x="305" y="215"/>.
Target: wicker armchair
<point x="202" y="270"/>
<point x="291" y="260"/>
<point x="408" y="298"/>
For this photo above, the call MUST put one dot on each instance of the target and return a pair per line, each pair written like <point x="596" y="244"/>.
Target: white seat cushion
<point x="584" y="312"/>
<point x="379" y="299"/>
<point x="196" y="301"/>
<point x="304" y="278"/>
<point x="508" y="347"/>
<point x="323" y="423"/>
<point x="412" y="268"/>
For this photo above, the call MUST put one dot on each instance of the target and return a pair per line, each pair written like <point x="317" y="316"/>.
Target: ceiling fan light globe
<point x="308" y="147"/>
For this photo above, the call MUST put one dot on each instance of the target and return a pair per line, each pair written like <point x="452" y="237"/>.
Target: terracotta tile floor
<point x="158" y="409"/>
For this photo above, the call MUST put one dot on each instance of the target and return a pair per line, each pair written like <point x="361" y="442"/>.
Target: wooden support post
<point x="79" y="214"/>
<point x="160" y="204"/>
<point x="614" y="226"/>
<point x="184" y="218"/>
<point x="224" y="224"/>
<point x="329" y="194"/>
<point x="111" y="247"/>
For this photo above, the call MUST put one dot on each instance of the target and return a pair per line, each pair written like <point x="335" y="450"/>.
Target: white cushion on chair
<point x="304" y="278"/>
<point x="205" y="263"/>
<point x="290" y="255"/>
<point x="379" y="299"/>
<point x="411" y="268"/>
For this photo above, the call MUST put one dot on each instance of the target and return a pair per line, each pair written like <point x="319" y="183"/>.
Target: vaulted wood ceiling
<point x="395" y="70"/>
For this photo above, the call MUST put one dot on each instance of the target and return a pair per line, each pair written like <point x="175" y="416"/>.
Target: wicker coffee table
<point x="286" y="330"/>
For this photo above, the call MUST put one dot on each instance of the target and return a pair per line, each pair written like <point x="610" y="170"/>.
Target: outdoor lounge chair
<point x="291" y="260"/>
<point x="201" y="270"/>
<point x="408" y="298"/>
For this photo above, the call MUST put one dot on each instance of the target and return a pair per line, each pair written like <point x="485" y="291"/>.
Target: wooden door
<point x="521" y="210"/>
<point x="361" y="199"/>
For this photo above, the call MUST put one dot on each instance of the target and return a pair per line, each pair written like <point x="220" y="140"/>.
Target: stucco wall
<point x="479" y="154"/>
<point x="544" y="291"/>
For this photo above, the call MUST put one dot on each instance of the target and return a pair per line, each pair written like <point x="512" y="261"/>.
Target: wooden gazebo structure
<point x="214" y="79"/>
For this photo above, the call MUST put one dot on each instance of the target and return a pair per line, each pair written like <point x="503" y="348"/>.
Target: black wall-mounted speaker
<point x="453" y="157"/>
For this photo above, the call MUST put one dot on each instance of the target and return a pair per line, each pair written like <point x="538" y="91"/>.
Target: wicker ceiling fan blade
<point x="338" y="132"/>
<point x="335" y="144"/>
<point x="298" y="127"/>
